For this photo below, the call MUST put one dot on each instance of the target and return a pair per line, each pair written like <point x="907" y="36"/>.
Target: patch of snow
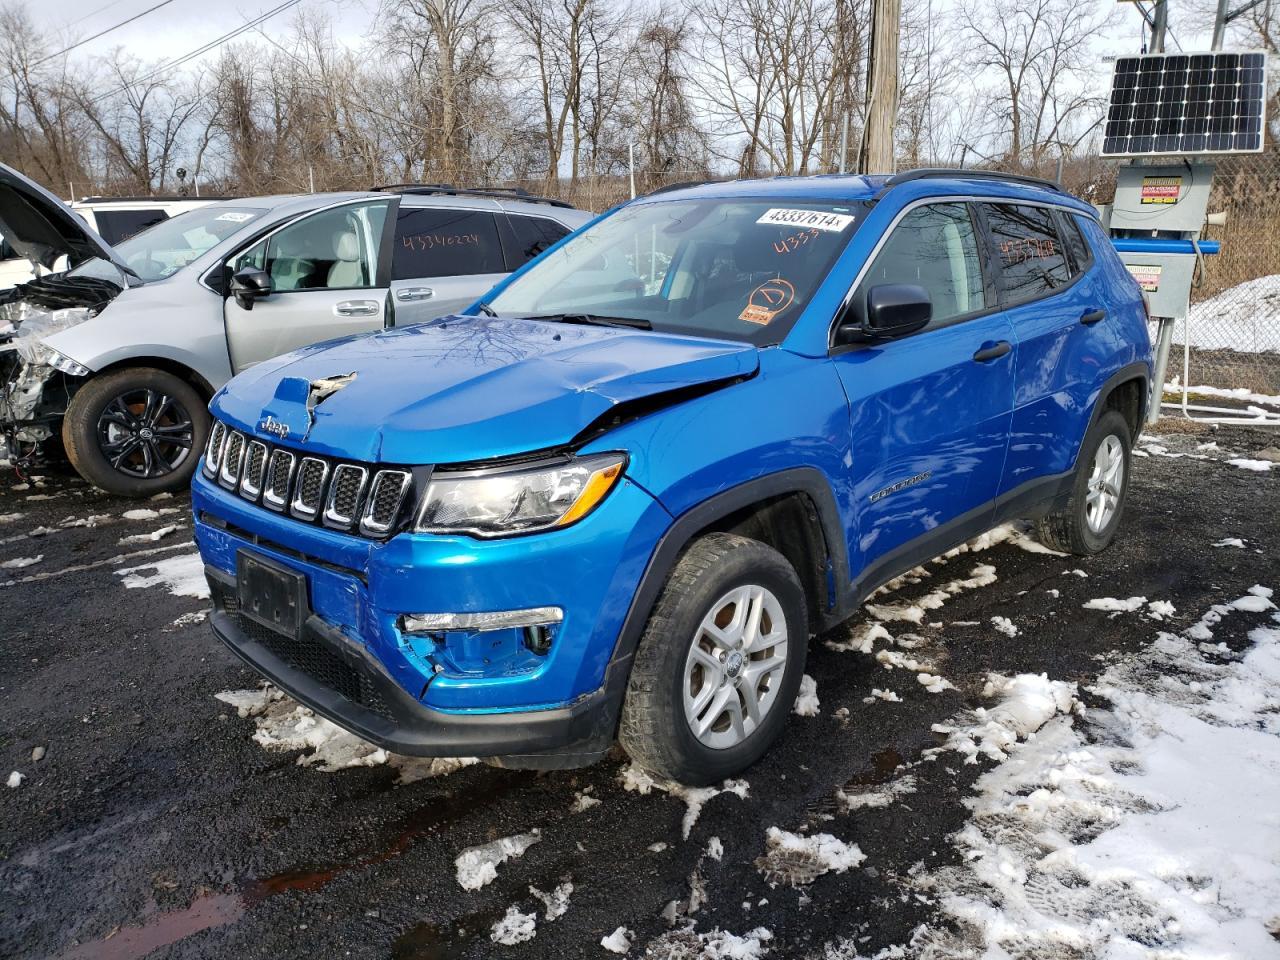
<point x="807" y="699"/>
<point x="515" y="927"/>
<point x="933" y="683"/>
<point x="477" y="866"/>
<point x="796" y="860"/>
<point x="141" y="513"/>
<point x="878" y="694"/>
<point x="619" y="941"/>
<point x="1146" y="832"/>
<point x="1077" y="573"/>
<point x="1256" y="600"/>
<point x="688" y="944"/>
<point x="18" y="563"/>
<point x="555" y="903"/>
<point x="877" y="795"/>
<point x="1159" y="609"/>
<point x="1113" y="605"/>
<point x="1231" y="393"/>
<point x="283" y="724"/>
<point x="657" y="847"/>
<point x="1004" y="625"/>
<point x="980" y="576"/>
<point x="1258" y="466"/>
<point x="715" y="849"/>
<point x="1026" y="703"/>
<point x="1230" y="542"/>
<point x="1211" y="445"/>
<point x="640" y="781"/>
<point x="583" y="801"/>
<point x="151" y="537"/>
<point x="10" y="517"/>
<point x="15" y="780"/>
<point x="183" y="576"/>
<point x="861" y="639"/>
<point x="187" y="619"/>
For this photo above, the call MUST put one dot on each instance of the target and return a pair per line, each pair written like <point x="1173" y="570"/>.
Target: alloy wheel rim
<point x="1102" y="497"/>
<point x="735" y="666"/>
<point x="145" y="433"/>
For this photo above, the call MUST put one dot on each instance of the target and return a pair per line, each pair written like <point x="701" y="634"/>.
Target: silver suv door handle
<point x="356" y="308"/>
<point x="410" y="294"/>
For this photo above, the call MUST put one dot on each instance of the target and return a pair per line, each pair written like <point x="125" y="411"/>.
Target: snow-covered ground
<point x="1147" y="828"/>
<point x="1245" y="317"/>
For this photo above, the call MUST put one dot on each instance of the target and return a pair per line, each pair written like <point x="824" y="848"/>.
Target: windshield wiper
<point x="487" y="310"/>
<point x="595" y="320"/>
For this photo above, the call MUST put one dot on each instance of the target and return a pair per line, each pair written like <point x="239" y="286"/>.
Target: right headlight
<point x="496" y="503"/>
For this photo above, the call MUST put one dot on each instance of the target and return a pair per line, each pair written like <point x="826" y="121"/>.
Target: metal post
<point x="72" y="187"/>
<point x="844" y="143"/>
<point x="631" y="161"/>
<point x="1219" y="25"/>
<point x="1058" y="177"/>
<point x="1164" y="342"/>
<point x="311" y="179"/>
<point x="1159" y="26"/>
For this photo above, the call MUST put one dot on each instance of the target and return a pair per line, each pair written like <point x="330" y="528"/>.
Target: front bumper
<point x="478" y="694"/>
<point x="343" y="682"/>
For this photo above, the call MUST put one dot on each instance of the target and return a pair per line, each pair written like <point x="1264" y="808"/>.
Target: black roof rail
<point x="683" y="184"/>
<point x="159" y="197"/>
<point x="967" y="173"/>
<point x="492" y="193"/>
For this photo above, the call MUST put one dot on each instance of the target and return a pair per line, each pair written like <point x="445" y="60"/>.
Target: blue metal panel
<point x="1163" y="245"/>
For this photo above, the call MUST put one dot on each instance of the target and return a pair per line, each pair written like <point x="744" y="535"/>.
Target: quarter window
<point x="1077" y="249"/>
<point x="532" y="236"/>
<point x="437" y="242"/>
<point x="1027" y="247"/>
<point x="116" y="226"/>
<point x="935" y="247"/>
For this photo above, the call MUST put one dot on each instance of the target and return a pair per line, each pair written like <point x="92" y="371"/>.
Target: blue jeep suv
<point x="616" y="499"/>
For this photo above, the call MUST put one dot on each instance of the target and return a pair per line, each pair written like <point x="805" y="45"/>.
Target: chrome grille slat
<point x="308" y="493"/>
<point x="360" y="498"/>
<point x="344" y="495"/>
<point x="275" y="492"/>
<point x="232" y="460"/>
<point x="383" y="505"/>
<point x="255" y="462"/>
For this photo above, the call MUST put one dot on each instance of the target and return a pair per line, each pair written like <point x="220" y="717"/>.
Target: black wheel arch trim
<point x="1138" y="370"/>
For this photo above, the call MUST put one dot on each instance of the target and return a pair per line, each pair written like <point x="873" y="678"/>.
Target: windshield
<point x="164" y="249"/>
<point x="730" y="269"/>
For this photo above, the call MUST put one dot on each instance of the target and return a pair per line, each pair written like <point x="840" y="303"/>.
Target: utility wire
<point x="230" y="35"/>
<point x="102" y="33"/>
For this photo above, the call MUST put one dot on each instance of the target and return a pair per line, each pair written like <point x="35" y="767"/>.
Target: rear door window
<point x="1030" y="253"/>
<point x="1077" y="249"/>
<point x="529" y="237"/>
<point x="117" y="225"/>
<point x="436" y="242"/>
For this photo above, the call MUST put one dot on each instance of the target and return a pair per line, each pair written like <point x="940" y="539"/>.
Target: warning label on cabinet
<point x="1147" y="275"/>
<point x="1161" y="189"/>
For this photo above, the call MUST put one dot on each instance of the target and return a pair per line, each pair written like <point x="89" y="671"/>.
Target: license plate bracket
<point x="271" y="594"/>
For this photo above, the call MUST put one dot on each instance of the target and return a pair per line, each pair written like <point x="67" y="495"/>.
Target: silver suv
<point x="121" y="354"/>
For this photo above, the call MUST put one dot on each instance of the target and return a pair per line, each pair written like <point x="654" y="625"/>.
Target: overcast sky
<point x="184" y="25"/>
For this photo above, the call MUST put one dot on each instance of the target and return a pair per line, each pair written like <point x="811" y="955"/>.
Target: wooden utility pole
<point x="876" y="155"/>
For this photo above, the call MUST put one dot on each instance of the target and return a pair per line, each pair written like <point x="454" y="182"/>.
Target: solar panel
<point x="1180" y="103"/>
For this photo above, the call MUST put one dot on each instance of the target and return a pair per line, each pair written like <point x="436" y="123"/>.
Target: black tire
<point x="654" y="729"/>
<point x="1069" y="529"/>
<point x="136" y="432"/>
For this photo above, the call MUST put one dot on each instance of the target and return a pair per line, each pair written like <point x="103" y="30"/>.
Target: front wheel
<point x="136" y="432"/>
<point x="1088" y="523"/>
<point x="718" y="667"/>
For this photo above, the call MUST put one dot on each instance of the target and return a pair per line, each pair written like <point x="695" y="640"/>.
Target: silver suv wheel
<point x="735" y="666"/>
<point x="1105" y="483"/>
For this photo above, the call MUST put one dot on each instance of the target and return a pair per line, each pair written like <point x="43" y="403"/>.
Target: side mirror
<point x="250" y="284"/>
<point x="892" y="310"/>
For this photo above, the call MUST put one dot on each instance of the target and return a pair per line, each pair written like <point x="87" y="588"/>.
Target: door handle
<point x="412" y="294"/>
<point x="1092" y="317"/>
<point x="993" y="351"/>
<point x="356" y="308"/>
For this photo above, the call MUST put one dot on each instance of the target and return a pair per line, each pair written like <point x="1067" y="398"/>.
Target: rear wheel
<point x="1088" y="523"/>
<point x="718" y="667"/>
<point x="136" y="432"/>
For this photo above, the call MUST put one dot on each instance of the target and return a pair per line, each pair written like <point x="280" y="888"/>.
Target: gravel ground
<point x="154" y="824"/>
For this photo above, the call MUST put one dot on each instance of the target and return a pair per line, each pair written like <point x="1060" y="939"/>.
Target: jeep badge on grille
<point x="274" y="427"/>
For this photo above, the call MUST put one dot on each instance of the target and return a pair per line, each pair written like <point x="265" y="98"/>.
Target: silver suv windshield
<point x="164" y="249"/>
<point x="724" y="268"/>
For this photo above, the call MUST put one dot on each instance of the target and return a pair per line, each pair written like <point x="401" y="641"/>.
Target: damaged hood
<point x="42" y="228"/>
<point x="461" y="389"/>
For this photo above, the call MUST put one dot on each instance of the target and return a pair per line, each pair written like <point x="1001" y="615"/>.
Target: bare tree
<point x="1036" y="55"/>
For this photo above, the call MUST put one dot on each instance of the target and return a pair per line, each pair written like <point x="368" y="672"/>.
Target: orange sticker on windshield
<point x="767" y="301"/>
